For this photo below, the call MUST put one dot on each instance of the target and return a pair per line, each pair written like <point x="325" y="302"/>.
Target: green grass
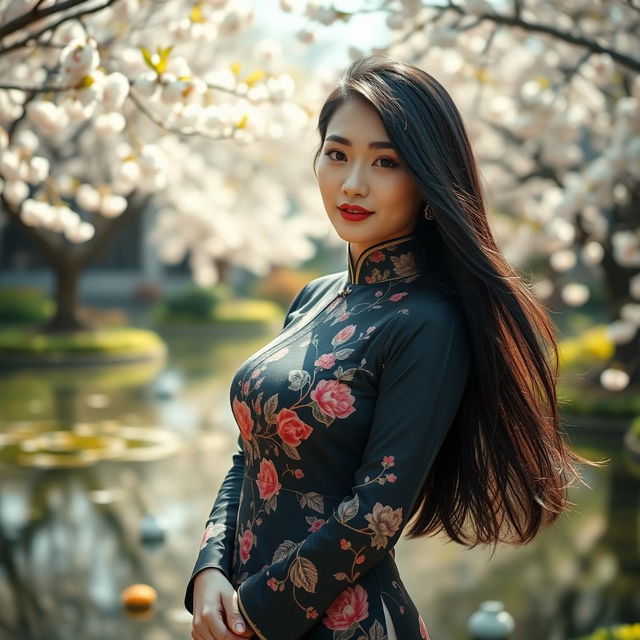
<point x="619" y="632"/>
<point x="19" y="305"/>
<point x="111" y="340"/>
<point x="226" y="312"/>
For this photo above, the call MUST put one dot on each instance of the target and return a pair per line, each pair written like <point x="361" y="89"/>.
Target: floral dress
<point x="340" y="418"/>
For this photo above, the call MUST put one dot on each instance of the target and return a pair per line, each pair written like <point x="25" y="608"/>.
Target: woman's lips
<point x="354" y="217"/>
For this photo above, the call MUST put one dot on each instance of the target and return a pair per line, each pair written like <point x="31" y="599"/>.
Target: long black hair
<point x="503" y="470"/>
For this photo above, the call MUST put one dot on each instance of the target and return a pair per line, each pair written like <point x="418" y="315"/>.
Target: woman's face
<point x="351" y="172"/>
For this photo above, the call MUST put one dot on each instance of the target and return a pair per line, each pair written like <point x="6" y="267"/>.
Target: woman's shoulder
<point x="322" y="285"/>
<point x="429" y="313"/>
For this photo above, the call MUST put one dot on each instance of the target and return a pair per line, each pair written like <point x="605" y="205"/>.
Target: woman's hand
<point x="215" y="608"/>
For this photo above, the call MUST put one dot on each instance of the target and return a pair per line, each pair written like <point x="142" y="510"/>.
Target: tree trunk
<point x="66" y="318"/>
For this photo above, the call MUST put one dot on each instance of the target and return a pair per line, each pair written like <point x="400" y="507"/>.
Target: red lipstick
<point x="353" y="212"/>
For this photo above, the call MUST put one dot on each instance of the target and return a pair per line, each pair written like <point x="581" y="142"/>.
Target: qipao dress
<point x="340" y="417"/>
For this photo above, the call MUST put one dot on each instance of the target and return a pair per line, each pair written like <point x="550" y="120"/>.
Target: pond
<point x="107" y="476"/>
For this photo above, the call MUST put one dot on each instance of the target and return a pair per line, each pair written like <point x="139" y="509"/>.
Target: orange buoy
<point x="139" y="596"/>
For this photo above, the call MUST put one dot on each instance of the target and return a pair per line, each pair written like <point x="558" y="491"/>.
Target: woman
<point x="414" y="383"/>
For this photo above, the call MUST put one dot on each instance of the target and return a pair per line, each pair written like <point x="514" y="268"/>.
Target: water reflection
<point x="72" y="538"/>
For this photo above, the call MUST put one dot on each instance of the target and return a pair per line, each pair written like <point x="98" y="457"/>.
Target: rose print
<point x="210" y="531"/>
<point x="349" y="608"/>
<point x="267" y="480"/>
<point x="333" y="398"/>
<point x="315" y="523"/>
<point x="290" y="428"/>
<point x="246" y="542"/>
<point x="343" y="335"/>
<point x="384" y="521"/>
<point x="242" y="414"/>
<point x="376" y="256"/>
<point x="325" y="361"/>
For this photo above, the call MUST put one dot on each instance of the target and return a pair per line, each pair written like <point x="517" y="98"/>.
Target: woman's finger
<point x="209" y="622"/>
<point x="235" y="621"/>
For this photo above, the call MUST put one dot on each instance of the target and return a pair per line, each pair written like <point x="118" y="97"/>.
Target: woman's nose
<point x="355" y="182"/>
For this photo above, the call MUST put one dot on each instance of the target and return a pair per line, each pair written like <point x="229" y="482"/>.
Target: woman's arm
<point x="217" y="545"/>
<point x="216" y="548"/>
<point x="426" y="362"/>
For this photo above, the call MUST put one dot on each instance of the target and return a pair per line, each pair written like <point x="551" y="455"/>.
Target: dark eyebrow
<point x="383" y="144"/>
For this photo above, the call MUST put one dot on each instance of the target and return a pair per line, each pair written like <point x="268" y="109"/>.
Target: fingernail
<point x="239" y="626"/>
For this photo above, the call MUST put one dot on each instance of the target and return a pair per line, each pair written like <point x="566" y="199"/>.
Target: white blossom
<point x="146" y="84"/>
<point x="38" y="169"/>
<point x="108" y="124"/>
<point x="115" y="91"/>
<point x="575" y="294"/>
<point x="83" y="232"/>
<point x="621" y="331"/>
<point x="47" y="116"/>
<point x="614" y="379"/>
<point x="88" y="197"/>
<point x="630" y="312"/>
<point x="78" y="59"/>
<point x="112" y="206"/>
<point x="15" y="191"/>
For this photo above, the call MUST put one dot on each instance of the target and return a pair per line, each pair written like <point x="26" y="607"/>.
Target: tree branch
<point x="181" y="132"/>
<point x="591" y="45"/>
<point x="35" y="14"/>
<point x="33" y="37"/>
<point x="50" y="250"/>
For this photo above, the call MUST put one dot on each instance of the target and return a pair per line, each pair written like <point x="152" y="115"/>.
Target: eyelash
<point x="393" y="165"/>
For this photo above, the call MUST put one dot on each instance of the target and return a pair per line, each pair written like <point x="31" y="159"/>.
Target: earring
<point x="427" y="213"/>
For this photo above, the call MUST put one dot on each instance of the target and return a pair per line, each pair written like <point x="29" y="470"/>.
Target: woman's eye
<point x="328" y="153"/>
<point x="390" y="162"/>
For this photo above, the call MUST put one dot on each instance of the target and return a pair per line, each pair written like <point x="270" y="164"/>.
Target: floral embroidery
<point x="242" y="414"/>
<point x="349" y="608"/>
<point x="315" y="523"/>
<point x="315" y="376"/>
<point x="333" y="398"/>
<point x="377" y="276"/>
<point x="384" y="521"/>
<point x="325" y="361"/>
<point x="290" y="428"/>
<point x="267" y="481"/>
<point x="210" y="531"/>
<point x="404" y="264"/>
<point x="246" y="542"/>
<point x="343" y="335"/>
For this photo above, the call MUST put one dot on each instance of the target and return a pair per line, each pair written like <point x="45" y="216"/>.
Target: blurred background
<point x="158" y="212"/>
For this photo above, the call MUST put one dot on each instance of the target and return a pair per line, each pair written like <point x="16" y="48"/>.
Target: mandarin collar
<point x="383" y="261"/>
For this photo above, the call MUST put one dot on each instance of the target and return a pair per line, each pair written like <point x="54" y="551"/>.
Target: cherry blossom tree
<point x="110" y="108"/>
<point x="551" y="94"/>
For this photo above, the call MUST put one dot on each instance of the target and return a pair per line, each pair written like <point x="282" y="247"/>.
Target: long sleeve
<point x="216" y="549"/>
<point x="426" y="362"/>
